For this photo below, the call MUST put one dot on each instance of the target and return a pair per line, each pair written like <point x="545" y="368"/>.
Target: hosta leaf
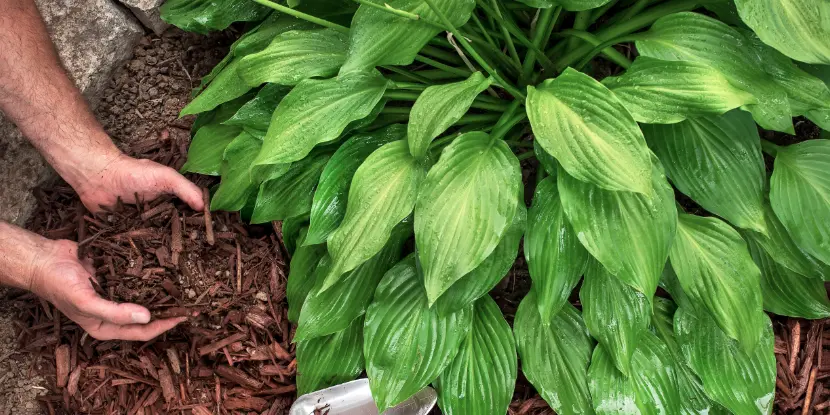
<point x="406" y="343"/>
<point x="743" y="383"/>
<point x="569" y="5"/>
<point x="256" y="113"/>
<point x="716" y="161"/>
<point x="330" y="360"/>
<point x="327" y="312"/>
<point x="289" y="194"/>
<point x="259" y="37"/>
<point x="665" y="92"/>
<point x="207" y="149"/>
<point x="693" y="399"/>
<point x="716" y="272"/>
<point x="294" y="56"/>
<point x="797" y="28"/>
<point x="555" y="257"/>
<point x="616" y="314"/>
<point x="382" y="194"/>
<point x="820" y="117"/>
<point x="378" y="37"/>
<point x="438" y="108"/>
<point x="236" y="186"/>
<point x="581" y="123"/>
<point x="779" y="245"/>
<point x="547" y="161"/>
<point x="787" y="293"/>
<point x="555" y="355"/>
<point x="697" y="38"/>
<point x="317" y="111"/>
<point x="487" y="275"/>
<point x="225" y="87"/>
<point x="482" y="376"/>
<point x="628" y="233"/>
<point x="464" y="207"/>
<point x="203" y="16"/>
<point x="800" y="195"/>
<point x="291" y="231"/>
<point x="650" y="389"/>
<point x="329" y="205"/>
<point x="302" y="273"/>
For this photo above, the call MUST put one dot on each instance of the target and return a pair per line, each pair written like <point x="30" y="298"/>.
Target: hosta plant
<point x="390" y="139"/>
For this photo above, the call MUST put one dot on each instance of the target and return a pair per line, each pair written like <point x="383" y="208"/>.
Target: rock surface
<point x="147" y="11"/>
<point x="92" y="38"/>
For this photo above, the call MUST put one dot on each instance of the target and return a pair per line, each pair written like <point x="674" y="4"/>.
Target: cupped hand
<point x="62" y="279"/>
<point x="125" y="177"/>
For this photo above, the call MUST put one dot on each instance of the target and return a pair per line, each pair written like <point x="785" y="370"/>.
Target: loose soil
<point x="234" y="354"/>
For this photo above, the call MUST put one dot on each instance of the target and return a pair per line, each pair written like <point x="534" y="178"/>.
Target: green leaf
<point x="207" y="149"/>
<point x="820" y="117"/>
<point x="256" y="113"/>
<point x="650" y="389"/>
<point x="438" y="108"/>
<point x="716" y="272"/>
<point x="236" y="186"/>
<point x="482" y="376"/>
<point x="693" y="399"/>
<point x="378" y="37"/>
<point x="287" y="195"/>
<point x="555" y="257"/>
<point x="327" y="312"/>
<point x="383" y="193"/>
<point x="259" y="37"/>
<point x="317" y="111"/>
<point x="787" y="293"/>
<point x="628" y="233"/>
<point x="330" y="360"/>
<point x="716" y="161"/>
<point x="797" y="28"/>
<point x="203" y="16"/>
<point x="743" y="383"/>
<point x="585" y="126"/>
<point x="294" y="56"/>
<point x="301" y="276"/>
<point x="779" y="245"/>
<point x="225" y="87"/>
<point x="569" y="5"/>
<point x="800" y="195"/>
<point x="464" y="208"/>
<point x="697" y="38"/>
<point x="665" y="92"/>
<point x="406" y="343"/>
<point x="547" y="161"/>
<point x="329" y="205"/>
<point x="555" y="355"/>
<point x="490" y="272"/>
<point x="616" y="314"/>
<point x="291" y="232"/>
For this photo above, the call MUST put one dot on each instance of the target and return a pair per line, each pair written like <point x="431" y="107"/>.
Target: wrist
<point x="85" y="167"/>
<point x="20" y="251"/>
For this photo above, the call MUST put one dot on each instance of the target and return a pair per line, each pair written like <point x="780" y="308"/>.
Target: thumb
<point x="115" y="313"/>
<point x="175" y="183"/>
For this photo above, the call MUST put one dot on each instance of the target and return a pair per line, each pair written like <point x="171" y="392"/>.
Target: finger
<point x="175" y="183"/>
<point x="135" y="332"/>
<point x="111" y="312"/>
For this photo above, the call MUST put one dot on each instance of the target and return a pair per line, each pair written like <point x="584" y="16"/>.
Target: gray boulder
<point x="93" y="37"/>
<point x="147" y="11"/>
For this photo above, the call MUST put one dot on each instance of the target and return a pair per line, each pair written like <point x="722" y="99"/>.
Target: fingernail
<point x="140" y="318"/>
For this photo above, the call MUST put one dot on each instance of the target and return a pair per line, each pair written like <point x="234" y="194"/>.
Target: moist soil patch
<point x="234" y="354"/>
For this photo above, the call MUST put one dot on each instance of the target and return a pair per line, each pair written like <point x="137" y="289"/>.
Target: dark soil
<point x="234" y="355"/>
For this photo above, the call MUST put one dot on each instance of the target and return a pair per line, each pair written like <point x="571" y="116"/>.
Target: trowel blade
<point x="355" y="398"/>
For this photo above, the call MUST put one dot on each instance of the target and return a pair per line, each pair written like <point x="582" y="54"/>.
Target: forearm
<point x="37" y="95"/>
<point x="18" y="255"/>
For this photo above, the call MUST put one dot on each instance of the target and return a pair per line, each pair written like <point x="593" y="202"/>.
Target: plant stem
<point x="508" y="120"/>
<point x="466" y="45"/>
<point x="600" y="47"/>
<point x="511" y="47"/>
<point x="474" y="118"/>
<point x="543" y="26"/>
<point x="442" y="54"/>
<point x="519" y="35"/>
<point x="484" y="31"/>
<point x="526" y="155"/>
<point x="628" y="26"/>
<point x="446" y="68"/>
<point x="597" y="13"/>
<point x="396" y="110"/>
<point x="387" y="8"/>
<point x="581" y="22"/>
<point x="408" y="74"/>
<point x="300" y="15"/>
<point x="770" y="148"/>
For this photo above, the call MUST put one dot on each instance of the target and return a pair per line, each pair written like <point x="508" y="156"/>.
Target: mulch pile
<point x="234" y="354"/>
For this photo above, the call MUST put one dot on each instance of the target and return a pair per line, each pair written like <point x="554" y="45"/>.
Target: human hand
<point x="124" y="177"/>
<point x="62" y="279"/>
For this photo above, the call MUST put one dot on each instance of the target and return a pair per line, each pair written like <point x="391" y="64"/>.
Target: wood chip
<point x="62" y="365"/>
<point x="238" y="376"/>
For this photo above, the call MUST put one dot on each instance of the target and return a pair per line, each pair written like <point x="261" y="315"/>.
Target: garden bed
<point x="235" y="351"/>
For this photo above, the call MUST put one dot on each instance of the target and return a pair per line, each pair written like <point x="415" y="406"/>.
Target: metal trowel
<point x="355" y="398"/>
